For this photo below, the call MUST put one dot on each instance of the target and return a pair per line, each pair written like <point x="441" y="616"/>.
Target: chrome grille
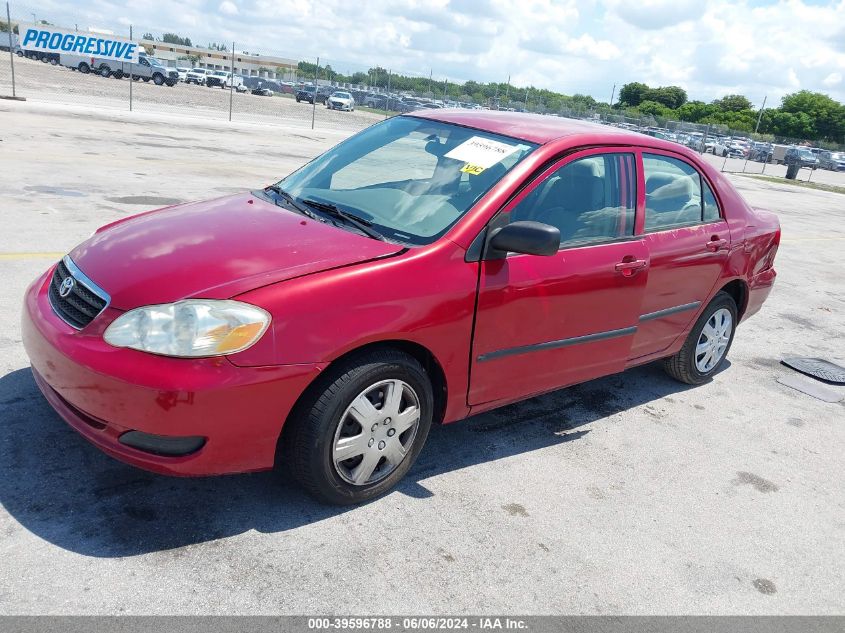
<point x="82" y="303"/>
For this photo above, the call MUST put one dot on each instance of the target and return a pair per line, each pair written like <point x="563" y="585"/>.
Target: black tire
<point x="84" y="68"/>
<point x="682" y="366"/>
<point x="307" y="442"/>
<point x="118" y="74"/>
<point x="158" y="79"/>
<point x="104" y="71"/>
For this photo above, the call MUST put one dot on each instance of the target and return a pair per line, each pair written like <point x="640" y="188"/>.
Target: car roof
<point x="541" y="129"/>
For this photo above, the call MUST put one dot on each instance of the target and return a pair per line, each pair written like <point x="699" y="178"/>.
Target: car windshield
<point x="805" y="153"/>
<point x="342" y="95"/>
<point x="155" y="62"/>
<point x="411" y="178"/>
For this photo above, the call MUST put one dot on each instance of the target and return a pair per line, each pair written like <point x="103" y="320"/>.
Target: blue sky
<point x="710" y="48"/>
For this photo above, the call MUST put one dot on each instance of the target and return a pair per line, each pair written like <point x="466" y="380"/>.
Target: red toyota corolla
<point x="433" y="266"/>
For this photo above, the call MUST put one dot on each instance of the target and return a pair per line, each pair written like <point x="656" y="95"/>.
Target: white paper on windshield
<point x="481" y="152"/>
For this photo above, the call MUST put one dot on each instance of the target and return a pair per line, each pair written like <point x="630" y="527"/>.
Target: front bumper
<point x="104" y="392"/>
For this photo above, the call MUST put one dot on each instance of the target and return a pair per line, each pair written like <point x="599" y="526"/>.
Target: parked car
<point x="832" y="160"/>
<point x="241" y="88"/>
<point x="431" y="267"/>
<point x="715" y="146"/>
<point x="149" y="68"/>
<point x="196" y="76"/>
<point x="262" y="92"/>
<point x="801" y="156"/>
<point x="183" y="72"/>
<point x="223" y="79"/>
<point x="340" y="100"/>
<point x="306" y="93"/>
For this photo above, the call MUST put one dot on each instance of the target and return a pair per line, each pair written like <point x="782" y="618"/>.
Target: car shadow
<point x="64" y="490"/>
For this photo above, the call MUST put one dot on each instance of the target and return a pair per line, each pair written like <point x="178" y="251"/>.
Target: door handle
<point x="629" y="267"/>
<point x="716" y="244"/>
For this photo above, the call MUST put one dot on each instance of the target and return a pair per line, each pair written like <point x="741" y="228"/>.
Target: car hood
<point x="215" y="249"/>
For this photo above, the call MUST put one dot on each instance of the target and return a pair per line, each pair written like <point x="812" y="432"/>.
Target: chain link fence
<point x="235" y="81"/>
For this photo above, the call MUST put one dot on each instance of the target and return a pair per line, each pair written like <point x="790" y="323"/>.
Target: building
<point x="247" y="64"/>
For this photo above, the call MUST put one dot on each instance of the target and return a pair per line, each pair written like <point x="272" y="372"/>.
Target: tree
<point x="828" y="116"/>
<point x="694" y="111"/>
<point x="633" y="94"/>
<point x="733" y="103"/>
<point x="172" y="38"/>
<point x="148" y="36"/>
<point x="671" y="96"/>
<point x="653" y="108"/>
<point x="4" y="28"/>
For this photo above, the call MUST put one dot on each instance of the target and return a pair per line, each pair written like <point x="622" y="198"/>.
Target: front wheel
<point x="105" y="71"/>
<point x="362" y="428"/>
<point x="708" y="342"/>
<point x="158" y="79"/>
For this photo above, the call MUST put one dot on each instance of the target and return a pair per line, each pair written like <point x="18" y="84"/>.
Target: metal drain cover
<point x="817" y="368"/>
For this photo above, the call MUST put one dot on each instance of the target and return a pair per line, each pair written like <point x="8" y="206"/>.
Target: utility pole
<point x="430" y="74"/>
<point x="232" y="81"/>
<point x="760" y="117"/>
<point x="131" y="68"/>
<point x="508" y="89"/>
<point x="612" y="94"/>
<point x="314" y="103"/>
<point x="11" y="49"/>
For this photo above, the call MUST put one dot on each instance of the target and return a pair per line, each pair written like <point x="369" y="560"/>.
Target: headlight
<point x="191" y="328"/>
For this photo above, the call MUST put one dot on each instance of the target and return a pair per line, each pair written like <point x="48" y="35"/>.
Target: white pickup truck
<point x="225" y="80"/>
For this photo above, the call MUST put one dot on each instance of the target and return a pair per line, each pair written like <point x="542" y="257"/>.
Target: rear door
<point x="688" y="243"/>
<point x="546" y="322"/>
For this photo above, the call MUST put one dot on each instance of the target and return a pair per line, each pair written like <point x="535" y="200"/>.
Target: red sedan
<point x="431" y="267"/>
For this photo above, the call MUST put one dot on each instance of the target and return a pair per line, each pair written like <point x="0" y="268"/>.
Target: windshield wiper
<point x="365" y="226"/>
<point x="292" y="202"/>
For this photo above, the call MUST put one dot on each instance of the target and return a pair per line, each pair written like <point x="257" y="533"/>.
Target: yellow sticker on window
<point x="473" y="170"/>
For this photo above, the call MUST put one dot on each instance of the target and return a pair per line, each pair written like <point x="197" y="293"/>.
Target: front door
<point x="547" y="322"/>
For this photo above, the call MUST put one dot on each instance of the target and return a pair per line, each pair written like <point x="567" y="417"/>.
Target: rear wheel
<point x="708" y="342"/>
<point x="84" y="68"/>
<point x="104" y="71"/>
<point x="362" y="428"/>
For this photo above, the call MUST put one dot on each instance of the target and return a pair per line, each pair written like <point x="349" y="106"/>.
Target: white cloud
<point x="228" y="8"/>
<point x="833" y="79"/>
<point x="754" y="47"/>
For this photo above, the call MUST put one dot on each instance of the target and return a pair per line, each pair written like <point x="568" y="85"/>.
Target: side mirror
<point x="528" y="237"/>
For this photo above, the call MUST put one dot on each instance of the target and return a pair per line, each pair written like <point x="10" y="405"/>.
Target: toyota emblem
<point x="67" y="286"/>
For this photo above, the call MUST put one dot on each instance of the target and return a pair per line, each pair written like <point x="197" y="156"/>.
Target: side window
<point x="590" y="199"/>
<point x="711" y="207"/>
<point x="672" y="193"/>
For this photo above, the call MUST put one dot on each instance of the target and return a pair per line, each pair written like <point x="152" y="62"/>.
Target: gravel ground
<point x="630" y="494"/>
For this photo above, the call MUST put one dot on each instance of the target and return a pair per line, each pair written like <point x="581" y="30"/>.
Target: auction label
<point x="49" y="39"/>
<point x="481" y="152"/>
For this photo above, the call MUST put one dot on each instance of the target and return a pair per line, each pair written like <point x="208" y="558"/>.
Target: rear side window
<point x="711" y="207"/>
<point x="672" y="193"/>
<point x="591" y="199"/>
